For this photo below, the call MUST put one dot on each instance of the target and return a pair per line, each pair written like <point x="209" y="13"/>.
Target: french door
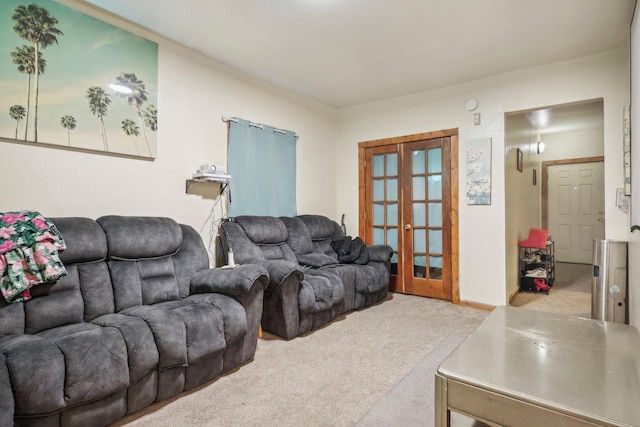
<point x="406" y="202"/>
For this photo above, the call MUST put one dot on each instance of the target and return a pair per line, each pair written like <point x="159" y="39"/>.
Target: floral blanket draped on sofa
<point x="29" y="246"/>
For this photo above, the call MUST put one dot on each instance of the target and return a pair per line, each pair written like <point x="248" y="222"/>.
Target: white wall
<point x="522" y="198"/>
<point x="194" y="92"/>
<point x="574" y="144"/>
<point x="482" y="228"/>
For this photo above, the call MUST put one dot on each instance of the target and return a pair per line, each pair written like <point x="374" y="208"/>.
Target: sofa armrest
<point x="234" y="282"/>
<point x="379" y="253"/>
<point x="280" y="270"/>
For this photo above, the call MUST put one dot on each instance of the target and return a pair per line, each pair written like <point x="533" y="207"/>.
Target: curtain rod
<point x="281" y="131"/>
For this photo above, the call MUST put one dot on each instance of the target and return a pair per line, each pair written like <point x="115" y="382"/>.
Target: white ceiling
<point x="348" y="52"/>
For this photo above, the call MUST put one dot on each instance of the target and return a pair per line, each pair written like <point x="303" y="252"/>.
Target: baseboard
<point x="513" y="295"/>
<point x="478" y="305"/>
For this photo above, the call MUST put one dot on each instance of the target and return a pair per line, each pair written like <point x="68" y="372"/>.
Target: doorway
<point x="559" y="188"/>
<point x="408" y="200"/>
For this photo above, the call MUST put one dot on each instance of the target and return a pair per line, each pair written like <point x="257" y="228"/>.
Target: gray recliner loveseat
<point x="138" y="318"/>
<point x="308" y="286"/>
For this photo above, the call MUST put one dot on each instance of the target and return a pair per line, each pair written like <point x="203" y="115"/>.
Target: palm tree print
<point x="23" y="57"/>
<point x="69" y="123"/>
<point x="98" y="104"/>
<point x="136" y="98"/>
<point x="35" y="24"/>
<point x="17" y="113"/>
<point x="131" y="128"/>
<point x="150" y="115"/>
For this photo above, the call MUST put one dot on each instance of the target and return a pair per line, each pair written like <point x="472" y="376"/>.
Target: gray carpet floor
<point x="410" y="402"/>
<point x="335" y="376"/>
<point x="570" y="294"/>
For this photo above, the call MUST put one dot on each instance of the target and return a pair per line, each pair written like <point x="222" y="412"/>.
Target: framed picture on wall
<point x="74" y="82"/>
<point x="519" y="160"/>
<point x="479" y="172"/>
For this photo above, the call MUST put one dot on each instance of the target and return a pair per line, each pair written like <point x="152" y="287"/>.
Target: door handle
<point x="600" y="219"/>
<point x="407" y="227"/>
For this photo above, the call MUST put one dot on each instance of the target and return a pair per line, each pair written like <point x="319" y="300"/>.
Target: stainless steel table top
<point x="572" y="365"/>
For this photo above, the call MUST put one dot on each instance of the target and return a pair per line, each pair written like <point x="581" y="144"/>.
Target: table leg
<point x="442" y="414"/>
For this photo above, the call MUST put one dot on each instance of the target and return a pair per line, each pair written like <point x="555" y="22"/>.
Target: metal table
<point x="529" y="368"/>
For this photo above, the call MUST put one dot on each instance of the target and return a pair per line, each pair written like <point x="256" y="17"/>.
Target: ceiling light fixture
<point x="120" y="88"/>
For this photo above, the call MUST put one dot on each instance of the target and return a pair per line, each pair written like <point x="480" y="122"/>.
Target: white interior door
<point x="576" y="209"/>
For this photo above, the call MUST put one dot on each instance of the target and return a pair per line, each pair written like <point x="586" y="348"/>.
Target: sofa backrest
<point x="150" y="259"/>
<point x="83" y="294"/>
<point x="303" y="247"/>
<point x="254" y="238"/>
<point x="112" y="263"/>
<point x="322" y="230"/>
<point x="299" y="237"/>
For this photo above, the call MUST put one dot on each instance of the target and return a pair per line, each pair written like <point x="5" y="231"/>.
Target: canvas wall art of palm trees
<point x="58" y="71"/>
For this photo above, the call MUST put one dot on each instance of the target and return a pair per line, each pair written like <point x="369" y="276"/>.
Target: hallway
<point x="570" y="294"/>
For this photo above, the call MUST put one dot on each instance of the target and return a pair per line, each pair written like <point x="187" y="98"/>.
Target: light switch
<point x="476" y="119"/>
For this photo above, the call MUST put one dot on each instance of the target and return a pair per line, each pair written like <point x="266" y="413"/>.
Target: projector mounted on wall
<point x="212" y="172"/>
<point x="212" y="168"/>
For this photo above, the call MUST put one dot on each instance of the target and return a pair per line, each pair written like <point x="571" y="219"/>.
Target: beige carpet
<point x="410" y="402"/>
<point x="330" y="377"/>
<point x="570" y="294"/>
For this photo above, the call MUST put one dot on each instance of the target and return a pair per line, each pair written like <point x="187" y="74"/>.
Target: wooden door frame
<point x="544" y="208"/>
<point x="453" y="134"/>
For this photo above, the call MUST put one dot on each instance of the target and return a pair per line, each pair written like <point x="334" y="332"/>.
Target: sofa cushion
<point x="6" y="395"/>
<point x="64" y="366"/>
<point x="320" y="290"/>
<point x="96" y="289"/>
<point x="85" y="240"/>
<point x="204" y="327"/>
<point x="299" y="237"/>
<point x="185" y="332"/>
<point x="95" y="360"/>
<point x="191" y="258"/>
<point x="141" y="347"/>
<point x="140" y="282"/>
<point x="323" y="231"/>
<point x="263" y="230"/>
<point x="132" y="238"/>
<point x="316" y="260"/>
<point x="56" y="304"/>
<point x="11" y="318"/>
<point x="65" y="301"/>
<point x="234" y="315"/>
<point x="234" y="238"/>
<point x="36" y="368"/>
<point x="158" y="280"/>
<point x="267" y="233"/>
<point x="168" y="330"/>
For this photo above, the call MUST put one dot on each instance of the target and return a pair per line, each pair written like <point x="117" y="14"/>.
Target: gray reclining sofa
<point x="308" y="286"/>
<point x="139" y="318"/>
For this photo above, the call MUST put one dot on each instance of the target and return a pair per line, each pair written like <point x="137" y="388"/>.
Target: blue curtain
<point x="262" y="165"/>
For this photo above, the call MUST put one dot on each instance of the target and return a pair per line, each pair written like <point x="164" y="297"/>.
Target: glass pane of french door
<point x="385" y="210"/>
<point x="426" y="167"/>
